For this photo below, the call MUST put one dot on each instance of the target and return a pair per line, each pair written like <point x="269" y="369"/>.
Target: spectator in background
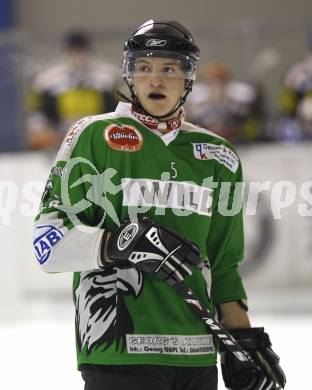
<point x="75" y="87"/>
<point x="225" y="106"/>
<point x="296" y="101"/>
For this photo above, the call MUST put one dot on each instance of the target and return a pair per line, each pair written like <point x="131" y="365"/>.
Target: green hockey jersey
<point x="112" y="167"/>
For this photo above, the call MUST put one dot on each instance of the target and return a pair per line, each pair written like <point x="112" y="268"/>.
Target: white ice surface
<point x="44" y="354"/>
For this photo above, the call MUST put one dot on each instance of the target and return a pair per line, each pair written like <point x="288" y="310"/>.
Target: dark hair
<point x="77" y="40"/>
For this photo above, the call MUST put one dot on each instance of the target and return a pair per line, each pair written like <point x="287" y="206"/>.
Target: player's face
<point x="78" y="59"/>
<point x="158" y="83"/>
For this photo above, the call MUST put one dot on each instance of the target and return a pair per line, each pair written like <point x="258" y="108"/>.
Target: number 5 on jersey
<point x="174" y="170"/>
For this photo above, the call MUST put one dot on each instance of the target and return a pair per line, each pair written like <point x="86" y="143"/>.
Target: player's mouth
<point x="156" y="96"/>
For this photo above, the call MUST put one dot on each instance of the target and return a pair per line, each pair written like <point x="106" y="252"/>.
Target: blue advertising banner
<point x="10" y="105"/>
<point x="6" y="14"/>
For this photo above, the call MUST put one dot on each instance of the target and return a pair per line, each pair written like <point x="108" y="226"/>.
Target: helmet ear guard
<point x="168" y="39"/>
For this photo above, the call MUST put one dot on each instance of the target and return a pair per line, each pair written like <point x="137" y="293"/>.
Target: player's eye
<point x="172" y="71"/>
<point x="143" y="68"/>
<point x="169" y="69"/>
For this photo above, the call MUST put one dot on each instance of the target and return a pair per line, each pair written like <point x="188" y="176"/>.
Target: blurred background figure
<point x="295" y="100"/>
<point x="77" y="86"/>
<point x="233" y="109"/>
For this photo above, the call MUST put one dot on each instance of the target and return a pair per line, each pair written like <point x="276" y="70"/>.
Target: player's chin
<point x="159" y="107"/>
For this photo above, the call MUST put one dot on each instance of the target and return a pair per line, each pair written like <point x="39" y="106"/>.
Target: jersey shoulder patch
<point x="221" y="153"/>
<point x="216" y="148"/>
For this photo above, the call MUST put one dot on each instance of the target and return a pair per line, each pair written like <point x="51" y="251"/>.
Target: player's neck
<point x="165" y="125"/>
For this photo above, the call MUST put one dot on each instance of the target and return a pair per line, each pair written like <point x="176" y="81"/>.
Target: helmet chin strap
<point x="135" y="101"/>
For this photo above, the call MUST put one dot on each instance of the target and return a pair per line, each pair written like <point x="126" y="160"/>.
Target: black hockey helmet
<point x="167" y="39"/>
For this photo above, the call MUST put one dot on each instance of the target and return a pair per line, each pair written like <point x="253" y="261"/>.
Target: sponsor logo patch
<point x="46" y="237"/>
<point x="123" y="138"/>
<point x="126" y="236"/>
<point x="187" y="197"/>
<point x="224" y="155"/>
<point x="156" y="42"/>
<point x="170" y="344"/>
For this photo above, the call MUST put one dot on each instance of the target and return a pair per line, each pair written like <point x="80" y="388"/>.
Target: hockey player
<point x="295" y="101"/>
<point x="76" y="86"/>
<point x="133" y="207"/>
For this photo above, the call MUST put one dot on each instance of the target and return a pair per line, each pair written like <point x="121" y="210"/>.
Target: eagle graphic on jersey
<point x="102" y="317"/>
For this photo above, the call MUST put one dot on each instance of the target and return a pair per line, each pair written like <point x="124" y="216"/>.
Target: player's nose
<point x="156" y="81"/>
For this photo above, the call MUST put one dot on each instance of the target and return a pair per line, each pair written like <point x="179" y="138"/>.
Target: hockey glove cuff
<point x="153" y="248"/>
<point x="258" y="344"/>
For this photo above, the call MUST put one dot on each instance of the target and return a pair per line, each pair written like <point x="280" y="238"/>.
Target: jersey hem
<point x="144" y="361"/>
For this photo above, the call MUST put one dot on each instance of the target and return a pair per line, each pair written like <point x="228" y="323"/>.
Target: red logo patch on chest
<point x="123" y="137"/>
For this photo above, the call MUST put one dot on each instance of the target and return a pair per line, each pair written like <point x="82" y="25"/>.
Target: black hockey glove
<point x="258" y="344"/>
<point x="153" y="248"/>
